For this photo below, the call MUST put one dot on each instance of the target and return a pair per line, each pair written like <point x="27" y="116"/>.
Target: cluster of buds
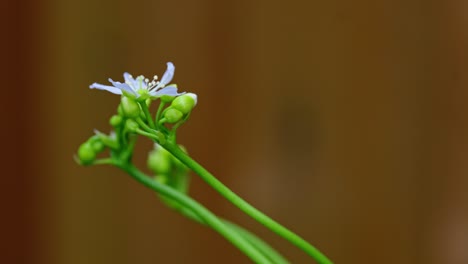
<point x="133" y="115"/>
<point x="179" y="108"/>
<point x="168" y="170"/>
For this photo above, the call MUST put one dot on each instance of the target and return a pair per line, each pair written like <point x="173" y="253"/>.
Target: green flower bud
<point x="130" y="108"/>
<point x="163" y="179"/>
<point x="98" y="146"/>
<point x="115" y="120"/>
<point x="159" y="164"/>
<point x="185" y="103"/>
<point x="131" y="125"/>
<point x="167" y="98"/>
<point x="86" y="153"/>
<point x="173" y="115"/>
<point x="108" y="141"/>
<point x="120" y="110"/>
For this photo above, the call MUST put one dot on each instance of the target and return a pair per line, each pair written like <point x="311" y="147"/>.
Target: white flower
<point x="141" y="85"/>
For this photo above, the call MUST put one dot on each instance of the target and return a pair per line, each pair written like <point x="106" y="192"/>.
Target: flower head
<point x="142" y="86"/>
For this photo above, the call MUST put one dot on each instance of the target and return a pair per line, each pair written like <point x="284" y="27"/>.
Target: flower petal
<point x="140" y="83"/>
<point x="167" y="77"/>
<point x="123" y="86"/>
<point x="105" y="88"/>
<point x="168" y="90"/>
<point x="129" y="79"/>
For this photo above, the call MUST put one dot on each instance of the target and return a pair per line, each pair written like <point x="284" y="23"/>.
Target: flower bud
<point x="173" y="115"/>
<point x="185" y="103"/>
<point x="131" y="125"/>
<point x="115" y="120"/>
<point x="98" y="146"/>
<point x="130" y="107"/>
<point x="148" y="102"/>
<point x="167" y="98"/>
<point x="108" y="140"/>
<point x="163" y="179"/>
<point x="159" y="163"/>
<point x="120" y="110"/>
<point x="86" y="153"/>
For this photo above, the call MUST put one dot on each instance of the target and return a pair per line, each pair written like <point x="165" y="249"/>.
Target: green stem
<point x="266" y="249"/>
<point x="176" y="126"/>
<point x="245" y="206"/>
<point x="127" y="153"/>
<point x="158" y="113"/>
<point x="181" y="186"/>
<point x="199" y="210"/>
<point x="144" y="125"/>
<point x="147" y="114"/>
<point x="106" y="161"/>
<point x="258" y="243"/>
<point x="147" y="134"/>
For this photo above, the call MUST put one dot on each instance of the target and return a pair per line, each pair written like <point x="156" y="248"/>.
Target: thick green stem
<point x="245" y="206"/>
<point x="258" y="243"/>
<point x="203" y="213"/>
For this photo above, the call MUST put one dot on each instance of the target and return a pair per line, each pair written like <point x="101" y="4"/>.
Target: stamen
<point x="150" y="85"/>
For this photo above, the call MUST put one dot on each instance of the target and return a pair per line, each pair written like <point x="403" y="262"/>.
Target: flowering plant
<point x="170" y="163"/>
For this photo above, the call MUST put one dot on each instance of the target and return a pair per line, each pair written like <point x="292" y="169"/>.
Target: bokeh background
<point x="344" y="120"/>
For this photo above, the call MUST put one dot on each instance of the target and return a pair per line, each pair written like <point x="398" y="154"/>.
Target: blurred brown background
<point x="344" y="120"/>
